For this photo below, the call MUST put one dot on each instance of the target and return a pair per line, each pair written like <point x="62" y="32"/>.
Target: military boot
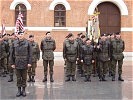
<point x="11" y="78"/>
<point x="68" y="78"/>
<point x="45" y="78"/>
<point x="33" y="79"/>
<point x="120" y="78"/>
<point x="86" y="78"/>
<point x="29" y="80"/>
<point x="23" y="92"/>
<point x="89" y="78"/>
<point x="103" y="78"/>
<point x="19" y="92"/>
<point x="73" y="78"/>
<point x="100" y="77"/>
<point x="113" y="77"/>
<point x="110" y="73"/>
<point x="51" y="78"/>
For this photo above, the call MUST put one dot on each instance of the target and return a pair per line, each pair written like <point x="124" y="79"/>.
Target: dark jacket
<point x="21" y="54"/>
<point x="47" y="47"/>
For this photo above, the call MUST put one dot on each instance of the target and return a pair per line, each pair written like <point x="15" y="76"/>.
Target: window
<point x="22" y="8"/>
<point x="59" y="16"/>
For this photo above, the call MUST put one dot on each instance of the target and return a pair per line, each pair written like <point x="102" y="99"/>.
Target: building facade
<point x="64" y="16"/>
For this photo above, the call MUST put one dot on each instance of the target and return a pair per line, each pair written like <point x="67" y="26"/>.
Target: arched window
<point x="22" y="8"/>
<point x="59" y="16"/>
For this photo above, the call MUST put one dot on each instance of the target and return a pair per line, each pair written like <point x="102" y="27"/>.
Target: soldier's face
<point x="21" y="36"/>
<point x="31" y="39"/>
<point x="84" y="39"/>
<point x="103" y="38"/>
<point x="48" y="35"/>
<point x="71" y="38"/>
<point x="88" y="42"/>
<point x="112" y="36"/>
<point x="118" y="36"/>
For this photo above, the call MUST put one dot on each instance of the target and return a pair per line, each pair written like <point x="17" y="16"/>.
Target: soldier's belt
<point x="47" y="50"/>
<point x="19" y="57"/>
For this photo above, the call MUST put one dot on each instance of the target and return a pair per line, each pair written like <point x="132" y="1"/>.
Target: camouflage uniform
<point x="35" y="57"/>
<point x="79" y="64"/>
<point x="11" y="70"/>
<point x="103" y="58"/>
<point x="70" y="53"/>
<point x="21" y="56"/>
<point x="47" y="47"/>
<point x="117" y="47"/>
<point x="2" y="57"/>
<point x="87" y="57"/>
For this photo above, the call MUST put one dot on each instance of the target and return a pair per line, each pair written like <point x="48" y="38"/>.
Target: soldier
<point x="70" y="55"/>
<point x="79" y="64"/>
<point x="47" y="47"/>
<point x="11" y="70"/>
<point x="103" y="49"/>
<point x="3" y="53"/>
<point x="83" y="38"/>
<point x="109" y="62"/>
<point x="21" y="59"/>
<point x="87" y="58"/>
<point x="35" y="57"/>
<point x="6" y="54"/>
<point x="117" y="47"/>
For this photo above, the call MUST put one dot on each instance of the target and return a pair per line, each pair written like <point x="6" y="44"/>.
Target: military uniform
<point x="79" y="63"/>
<point x="103" y="58"/>
<point x="87" y="57"/>
<point x="35" y="57"/>
<point x="117" y="47"/>
<point x="70" y="54"/>
<point x="47" y="47"/>
<point x="21" y="56"/>
<point x="3" y="53"/>
<point x="109" y="62"/>
<point x="11" y="70"/>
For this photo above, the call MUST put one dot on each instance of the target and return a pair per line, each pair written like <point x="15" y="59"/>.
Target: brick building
<point x="64" y="16"/>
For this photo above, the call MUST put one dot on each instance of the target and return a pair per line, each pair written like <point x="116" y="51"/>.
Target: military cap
<point x="69" y="35"/>
<point x="20" y="32"/>
<point x="103" y="34"/>
<point x="87" y="39"/>
<point x="83" y="36"/>
<point x="47" y="32"/>
<point x="8" y="34"/>
<point x="3" y="35"/>
<point x="117" y="33"/>
<point x="12" y="34"/>
<point x="80" y="34"/>
<point x="30" y="36"/>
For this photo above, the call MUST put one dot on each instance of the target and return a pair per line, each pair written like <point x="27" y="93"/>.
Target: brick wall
<point x="41" y="16"/>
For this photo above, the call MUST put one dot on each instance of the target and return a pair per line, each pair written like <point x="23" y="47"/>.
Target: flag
<point x="3" y="32"/>
<point x="89" y="29"/>
<point x="95" y="25"/>
<point x="19" y="24"/>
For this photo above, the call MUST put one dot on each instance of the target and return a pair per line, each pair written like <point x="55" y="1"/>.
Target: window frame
<point x="59" y="16"/>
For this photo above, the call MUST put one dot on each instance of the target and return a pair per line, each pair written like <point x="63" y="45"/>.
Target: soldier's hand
<point x="81" y="60"/>
<point x="29" y="65"/>
<point x="13" y="66"/>
<point x="93" y="61"/>
<point x="98" y="46"/>
<point x="77" y="58"/>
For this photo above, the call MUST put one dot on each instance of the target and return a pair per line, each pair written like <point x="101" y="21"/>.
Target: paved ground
<point x="72" y="90"/>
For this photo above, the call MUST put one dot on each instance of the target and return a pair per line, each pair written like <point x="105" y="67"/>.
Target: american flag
<point x="19" y="24"/>
<point x="3" y="32"/>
